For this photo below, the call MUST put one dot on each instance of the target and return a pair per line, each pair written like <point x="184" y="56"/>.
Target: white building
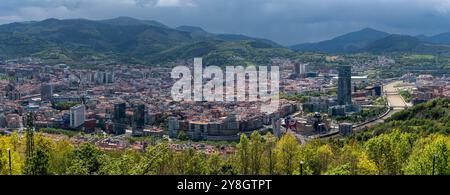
<point x="77" y="116"/>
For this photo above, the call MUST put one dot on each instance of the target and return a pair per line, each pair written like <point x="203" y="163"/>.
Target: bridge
<point x="394" y="99"/>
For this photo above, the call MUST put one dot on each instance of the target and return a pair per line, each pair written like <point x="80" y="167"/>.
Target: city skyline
<point x="125" y="91"/>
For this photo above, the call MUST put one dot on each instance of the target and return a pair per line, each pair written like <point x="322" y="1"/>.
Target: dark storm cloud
<point x="285" y="21"/>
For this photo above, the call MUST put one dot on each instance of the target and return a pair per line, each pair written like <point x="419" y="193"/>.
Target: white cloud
<point x="168" y="3"/>
<point x="443" y="7"/>
<point x="10" y="18"/>
<point x="164" y="3"/>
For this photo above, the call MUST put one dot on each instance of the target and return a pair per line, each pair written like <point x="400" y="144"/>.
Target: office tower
<point x="104" y="77"/>
<point x="297" y="68"/>
<point x="119" y="112"/>
<point x="110" y="77"/>
<point x="46" y="92"/>
<point x="345" y="85"/>
<point x="138" y="119"/>
<point x="174" y="127"/>
<point x="77" y="116"/>
<point x="100" y="77"/>
<point x="119" y="119"/>
<point x="303" y="71"/>
<point x="300" y="70"/>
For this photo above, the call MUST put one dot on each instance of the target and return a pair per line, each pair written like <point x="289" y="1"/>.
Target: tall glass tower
<point x="345" y="85"/>
<point x="138" y="119"/>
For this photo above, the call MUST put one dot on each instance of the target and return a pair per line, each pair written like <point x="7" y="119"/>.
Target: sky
<point x="285" y="21"/>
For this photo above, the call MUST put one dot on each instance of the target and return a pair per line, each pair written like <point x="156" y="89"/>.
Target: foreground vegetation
<point x="396" y="151"/>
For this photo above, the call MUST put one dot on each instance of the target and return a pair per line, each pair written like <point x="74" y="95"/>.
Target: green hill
<point x="395" y="43"/>
<point x="403" y="43"/>
<point x="128" y="21"/>
<point x="443" y="38"/>
<point x="351" y="42"/>
<point x="423" y="119"/>
<point x="374" y="41"/>
<point x="128" y="40"/>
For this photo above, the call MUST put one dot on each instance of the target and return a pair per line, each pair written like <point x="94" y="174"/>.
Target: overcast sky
<point x="284" y="21"/>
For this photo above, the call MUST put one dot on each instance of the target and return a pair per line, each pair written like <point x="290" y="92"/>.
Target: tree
<point x="125" y="164"/>
<point x="325" y="157"/>
<point x="60" y="157"/>
<point x="214" y="164"/>
<point x="317" y="156"/>
<point x="17" y="162"/>
<point x="269" y="157"/>
<point x="14" y="140"/>
<point x="389" y="152"/>
<point x="195" y="162"/>
<point x="39" y="161"/>
<point x="344" y="169"/>
<point x="287" y="151"/>
<point x="189" y="162"/>
<point x="256" y="151"/>
<point x="353" y="155"/>
<point x="86" y="159"/>
<point x="77" y="167"/>
<point x="229" y="166"/>
<point x="243" y="154"/>
<point x="157" y="160"/>
<point x="427" y="150"/>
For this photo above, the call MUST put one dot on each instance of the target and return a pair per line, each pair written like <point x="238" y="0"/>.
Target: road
<point x="395" y="102"/>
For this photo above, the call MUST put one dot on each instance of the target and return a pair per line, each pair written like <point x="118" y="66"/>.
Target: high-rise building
<point x="174" y="127"/>
<point x="119" y="118"/>
<point x="345" y="85"/>
<point x="110" y="77"/>
<point x="297" y="68"/>
<point x="46" y="92"/>
<point x="77" y="116"/>
<point x="119" y="112"/>
<point x="104" y="77"/>
<point x="138" y="119"/>
<point x="300" y="70"/>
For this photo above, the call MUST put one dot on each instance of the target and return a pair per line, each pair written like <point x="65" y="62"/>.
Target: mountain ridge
<point x="129" y="21"/>
<point x="442" y="38"/>
<point x="350" y="42"/>
<point x="124" y="39"/>
<point x="129" y="40"/>
<point x="371" y="40"/>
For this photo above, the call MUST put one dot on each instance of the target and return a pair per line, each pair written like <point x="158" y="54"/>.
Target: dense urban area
<point x="107" y="120"/>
